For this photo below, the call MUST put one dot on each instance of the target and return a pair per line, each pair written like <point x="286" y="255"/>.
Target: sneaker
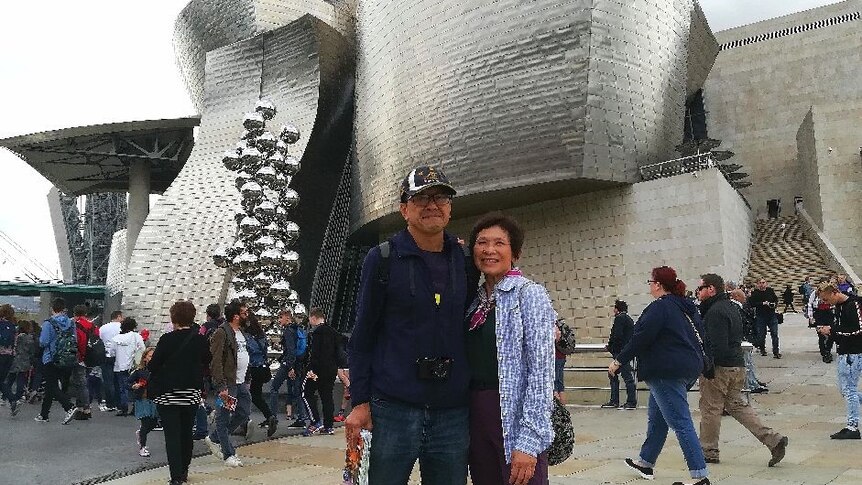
<point x="846" y="434"/>
<point x="69" y="415"/>
<point x="329" y="431"/>
<point x="158" y="428"/>
<point x="263" y="424"/>
<point x="763" y="353"/>
<point x="40" y="419"/>
<point x="776" y="355"/>
<point x="232" y="461"/>
<point x="610" y="405"/>
<point x="311" y="430"/>
<point x="827" y="359"/>
<point x="709" y="459"/>
<point x="629" y="406"/>
<point x="702" y="481"/>
<point x="643" y="471"/>
<point x="138" y="437"/>
<point x="215" y="448"/>
<point x="144" y="452"/>
<point x="759" y="390"/>
<point x="103" y="408"/>
<point x="14" y="407"/>
<point x="271" y="426"/>
<point x="778" y="451"/>
<point x="297" y="424"/>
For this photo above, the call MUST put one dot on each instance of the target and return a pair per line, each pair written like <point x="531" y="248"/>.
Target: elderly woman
<point x="666" y="341"/>
<point x="175" y="386"/>
<point x="510" y="347"/>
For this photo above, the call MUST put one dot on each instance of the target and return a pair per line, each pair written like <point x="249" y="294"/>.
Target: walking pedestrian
<point x="787" y="299"/>
<point x="228" y="369"/>
<point x="176" y="368"/>
<point x="145" y="409"/>
<point x="259" y="373"/>
<point x="670" y="358"/>
<point x="621" y="332"/>
<point x="110" y="387"/>
<point x="59" y="356"/>
<point x="764" y="301"/>
<point x="8" y="332"/>
<point x="322" y="361"/>
<point x="22" y="364"/>
<point x="124" y="347"/>
<point x="723" y="392"/>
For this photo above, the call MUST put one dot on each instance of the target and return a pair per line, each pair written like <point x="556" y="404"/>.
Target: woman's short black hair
<point x="128" y="325"/>
<point x="504" y="222"/>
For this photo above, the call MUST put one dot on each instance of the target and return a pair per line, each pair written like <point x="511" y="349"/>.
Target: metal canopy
<point x="94" y="159"/>
<point x="34" y="289"/>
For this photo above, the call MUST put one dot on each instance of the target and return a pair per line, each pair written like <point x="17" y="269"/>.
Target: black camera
<point x="433" y="368"/>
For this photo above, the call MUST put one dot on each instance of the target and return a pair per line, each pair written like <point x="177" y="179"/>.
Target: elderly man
<point x="408" y="363"/>
<point x="723" y="325"/>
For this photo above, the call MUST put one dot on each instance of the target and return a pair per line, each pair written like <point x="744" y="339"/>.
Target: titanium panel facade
<point x="206" y="25"/>
<point x="510" y="94"/>
<point x="305" y="69"/>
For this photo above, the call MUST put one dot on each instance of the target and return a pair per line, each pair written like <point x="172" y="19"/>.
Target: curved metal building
<point x="520" y="100"/>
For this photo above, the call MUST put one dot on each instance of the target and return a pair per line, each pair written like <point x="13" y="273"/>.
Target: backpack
<point x="65" y="347"/>
<point x="802" y="289"/>
<point x="7" y="335"/>
<point x="301" y="341"/>
<point x="566" y="344"/>
<point x="95" y="354"/>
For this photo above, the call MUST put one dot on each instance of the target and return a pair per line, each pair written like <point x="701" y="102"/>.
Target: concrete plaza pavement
<point x="803" y="403"/>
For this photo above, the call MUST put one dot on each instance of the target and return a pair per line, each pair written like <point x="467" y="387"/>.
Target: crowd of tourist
<point x="452" y="361"/>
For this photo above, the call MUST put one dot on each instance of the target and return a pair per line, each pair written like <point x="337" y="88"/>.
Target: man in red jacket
<point x="78" y="383"/>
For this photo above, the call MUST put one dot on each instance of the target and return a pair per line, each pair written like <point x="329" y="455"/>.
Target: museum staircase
<point x="783" y="254"/>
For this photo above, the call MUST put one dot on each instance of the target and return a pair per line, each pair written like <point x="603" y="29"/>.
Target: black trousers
<point x="323" y="386"/>
<point x="256" y="391"/>
<point x="54" y="378"/>
<point x="825" y="344"/>
<point x="177" y="422"/>
<point x="147" y="424"/>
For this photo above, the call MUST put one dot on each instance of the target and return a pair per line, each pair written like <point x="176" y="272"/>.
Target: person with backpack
<point x="124" y="347"/>
<point x="293" y="344"/>
<point x="60" y="355"/>
<point x="621" y="332"/>
<point x="408" y="359"/>
<point x="88" y="336"/>
<point x="7" y="353"/>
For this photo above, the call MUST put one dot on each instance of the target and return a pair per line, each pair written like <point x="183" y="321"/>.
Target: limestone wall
<point x="591" y="249"/>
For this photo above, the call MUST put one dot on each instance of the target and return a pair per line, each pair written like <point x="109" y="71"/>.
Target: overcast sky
<point x="73" y="63"/>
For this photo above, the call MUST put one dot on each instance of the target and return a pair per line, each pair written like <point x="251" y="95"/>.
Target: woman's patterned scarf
<point x="487" y="304"/>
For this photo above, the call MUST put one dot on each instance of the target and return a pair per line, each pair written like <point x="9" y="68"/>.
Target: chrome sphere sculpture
<point x="261" y="259"/>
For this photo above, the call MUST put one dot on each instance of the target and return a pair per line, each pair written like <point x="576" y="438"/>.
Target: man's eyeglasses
<point x="699" y="288"/>
<point x="423" y="200"/>
<point x="651" y="281"/>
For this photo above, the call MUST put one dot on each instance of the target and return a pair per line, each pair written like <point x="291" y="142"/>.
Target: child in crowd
<point x="145" y="409"/>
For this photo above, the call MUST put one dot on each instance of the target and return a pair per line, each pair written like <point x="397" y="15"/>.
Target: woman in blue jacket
<point x="258" y="370"/>
<point x="510" y="348"/>
<point x="670" y="358"/>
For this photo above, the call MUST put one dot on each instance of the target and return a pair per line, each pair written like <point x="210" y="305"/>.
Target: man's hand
<point x="825" y="330"/>
<point x="358" y="419"/>
<point x="291" y="374"/>
<point x="223" y="395"/>
<point x="311" y="375"/>
<point x="136" y="386"/>
<point x="523" y="467"/>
